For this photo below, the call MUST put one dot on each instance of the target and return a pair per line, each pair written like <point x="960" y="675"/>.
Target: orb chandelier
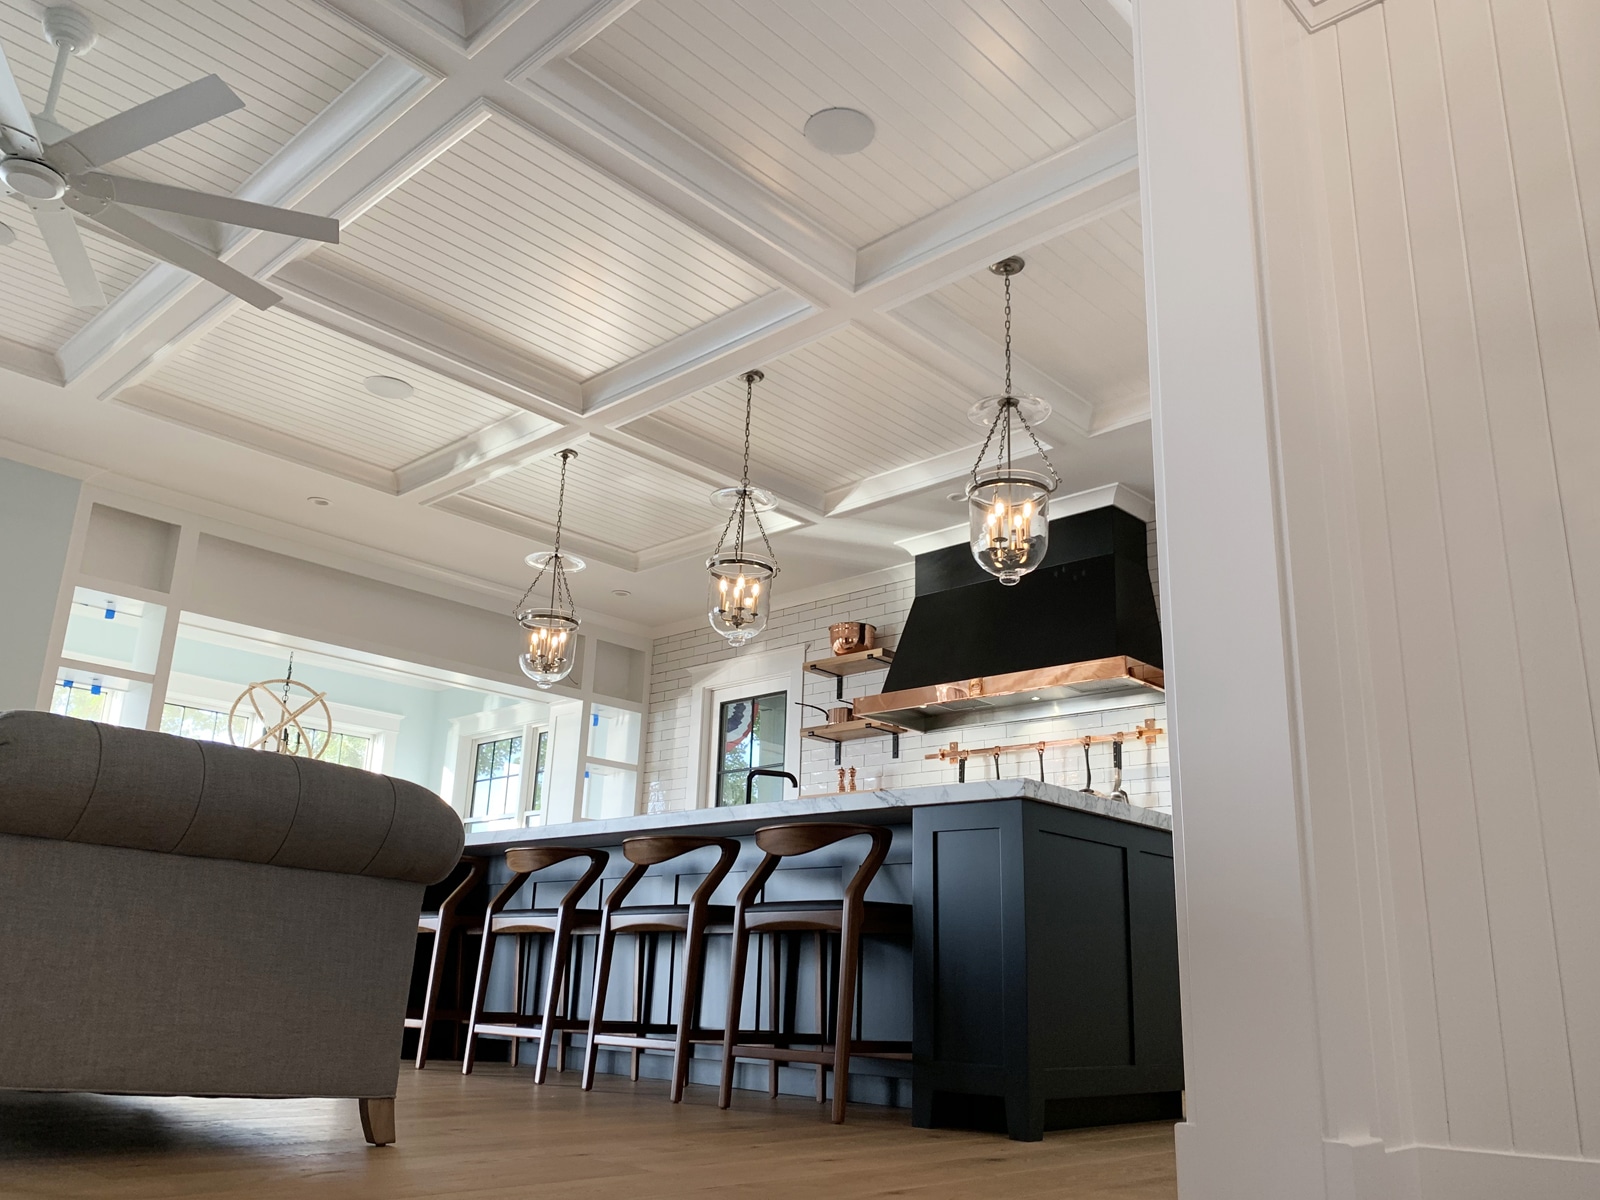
<point x="1008" y="509"/>
<point x="740" y="585"/>
<point x="552" y="626"/>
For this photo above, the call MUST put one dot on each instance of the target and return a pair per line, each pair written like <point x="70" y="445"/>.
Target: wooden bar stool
<point x="694" y="920"/>
<point x="851" y="918"/>
<point x="562" y="924"/>
<point x="455" y="918"/>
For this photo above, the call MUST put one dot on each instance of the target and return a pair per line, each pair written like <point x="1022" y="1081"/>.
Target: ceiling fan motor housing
<point x="33" y="179"/>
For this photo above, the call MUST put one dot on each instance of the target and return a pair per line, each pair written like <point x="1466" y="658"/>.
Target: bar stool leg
<point x="516" y="989"/>
<point x="479" y="985"/>
<point x="694" y="953"/>
<point x="555" y="976"/>
<point x="730" y="1030"/>
<point x="602" y="974"/>
<point x="849" y="960"/>
<point x="430" y="998"/>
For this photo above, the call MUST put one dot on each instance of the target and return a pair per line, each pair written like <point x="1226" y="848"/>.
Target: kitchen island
<point x="1040" y="986"/>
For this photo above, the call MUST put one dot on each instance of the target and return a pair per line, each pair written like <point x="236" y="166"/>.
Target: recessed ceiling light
<point x="621" y="592"/>
<point x="1035" y="697"/>
<point x="7" y="234"/>
<point x="319" y="501"/>
<point x="389" y="387"/>
<point x="840" y="130"/>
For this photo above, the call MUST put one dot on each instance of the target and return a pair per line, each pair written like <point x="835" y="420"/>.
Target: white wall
<point x="1372" y="254"/>
<point x="36" y="513"/>
<point x="677" y="657"/>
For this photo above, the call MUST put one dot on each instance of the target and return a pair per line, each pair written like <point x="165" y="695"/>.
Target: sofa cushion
<point x="81" y="781"/>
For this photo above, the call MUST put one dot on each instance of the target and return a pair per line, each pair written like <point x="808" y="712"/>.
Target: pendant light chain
<point x="560" y="590"/>
<point x="1008" y="337"/>
<point x="744" y="499"/>
<point x="1008" y="405"/>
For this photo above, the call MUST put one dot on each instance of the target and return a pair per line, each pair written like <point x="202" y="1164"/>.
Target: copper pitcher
<point x="849" y="636"/>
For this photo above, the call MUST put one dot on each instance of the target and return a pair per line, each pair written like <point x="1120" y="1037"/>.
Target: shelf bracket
<point x="894" y="745"/>
<point x="838" y="753"/>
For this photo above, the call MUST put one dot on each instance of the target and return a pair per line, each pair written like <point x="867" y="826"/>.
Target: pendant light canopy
<point x="1008" y="509"/>
<point x="553" y="625"/>
<point x="740" y="583"/>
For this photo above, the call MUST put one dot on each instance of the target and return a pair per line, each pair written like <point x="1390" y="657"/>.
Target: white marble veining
<point x="888" y="806"/>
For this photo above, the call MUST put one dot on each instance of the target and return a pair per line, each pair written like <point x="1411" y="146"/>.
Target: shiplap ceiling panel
<point x="612" y="496"/>
<point x="963" y="92"/>
<point x="528" y="245"/>
<point x="1078" y="308"/>
<point x="287" y="61"/>
<point x="834" y="412"/>
<point x="292" y="376"/>
<point x="34" y="308"/>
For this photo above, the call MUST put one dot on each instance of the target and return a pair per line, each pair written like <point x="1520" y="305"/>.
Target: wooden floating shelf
<point x="875" y="659"/>
<point x="854" y="731"/>
<point x="851" y="731"/>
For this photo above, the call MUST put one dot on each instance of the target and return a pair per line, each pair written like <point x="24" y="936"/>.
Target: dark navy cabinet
<point x="1045" y="969"/>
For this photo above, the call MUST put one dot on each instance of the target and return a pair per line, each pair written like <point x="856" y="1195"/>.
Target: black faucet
<point x="750" y="778"/>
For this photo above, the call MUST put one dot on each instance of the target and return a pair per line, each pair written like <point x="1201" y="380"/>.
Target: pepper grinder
<point x="852" y="779"/>
<point x="841" y="779"/>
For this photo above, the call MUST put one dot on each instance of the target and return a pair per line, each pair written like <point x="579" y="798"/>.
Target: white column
<point x="37" y="510"/>
<point x="1372" y="257"/>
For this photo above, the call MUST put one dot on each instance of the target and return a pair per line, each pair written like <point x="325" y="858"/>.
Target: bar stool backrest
<point x="802" y="837"/>
<point x="647" y="852"/>
<point x="525" y="860"/>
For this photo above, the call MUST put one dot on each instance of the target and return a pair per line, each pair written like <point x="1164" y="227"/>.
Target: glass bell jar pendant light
<point x="740" y="584"/>
<point x="550" y="618"/>
<point x="1008" y="508"/>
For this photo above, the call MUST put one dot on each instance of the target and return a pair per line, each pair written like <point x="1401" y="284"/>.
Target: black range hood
<point x="1084" y="621"/>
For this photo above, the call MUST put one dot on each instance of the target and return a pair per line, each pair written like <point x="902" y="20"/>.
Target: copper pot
<point x="850" y="636"/>
<point x="835" y="715"/>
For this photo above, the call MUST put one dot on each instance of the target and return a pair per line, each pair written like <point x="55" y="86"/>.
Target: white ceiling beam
<point x="1119" y="414"/>
<point x="818" y="265"/>
<point x="219" y="424"/>
<point x="31" y="361"/>
<point x="706" y="347"/>
<point x="358" y="309"/>
<point x="901" y="482"/>
<point x="433" y="474"/>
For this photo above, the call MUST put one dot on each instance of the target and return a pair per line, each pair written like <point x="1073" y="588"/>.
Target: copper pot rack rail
<point x="954" y="752"/>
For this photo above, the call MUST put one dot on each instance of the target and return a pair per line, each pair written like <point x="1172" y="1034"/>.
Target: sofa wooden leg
<point x="377" y="1119"/>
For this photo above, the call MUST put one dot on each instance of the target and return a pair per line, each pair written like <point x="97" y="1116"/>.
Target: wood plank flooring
<point x="494" y="1135"/>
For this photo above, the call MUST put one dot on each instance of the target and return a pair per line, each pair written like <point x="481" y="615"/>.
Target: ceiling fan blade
<point x="173" y="249"/>
<point x="65" y="242"/>
<point x="146" y="124"/>
<point x="143" y="194"/>
<point x="13" y="112"/>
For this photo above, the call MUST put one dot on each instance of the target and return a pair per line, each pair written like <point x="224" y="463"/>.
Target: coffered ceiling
<point x="575" y="223"/>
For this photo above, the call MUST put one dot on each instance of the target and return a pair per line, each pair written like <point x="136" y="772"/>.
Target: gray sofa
<point x="186" y="918"/>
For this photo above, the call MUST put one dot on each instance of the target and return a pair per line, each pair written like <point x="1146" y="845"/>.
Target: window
<point x="87" y="701"/>
<point x="496" y="778"/>
<point x="751" y="733"/>
<point x="347" y="749"/>
<point x="206" y="724"/>
<point x="542" y="755"/>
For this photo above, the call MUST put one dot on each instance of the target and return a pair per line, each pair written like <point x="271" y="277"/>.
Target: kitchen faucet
<point x="750" y="777"/>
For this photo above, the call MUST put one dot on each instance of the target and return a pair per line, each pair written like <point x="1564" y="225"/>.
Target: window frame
<point x="523" y="720"/>
<point x="779" y="670"/>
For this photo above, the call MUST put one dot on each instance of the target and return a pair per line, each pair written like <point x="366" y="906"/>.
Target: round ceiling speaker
<point x="840" y="130"/>
<point x="7" y="234"/>
<point x="388" y="387"/>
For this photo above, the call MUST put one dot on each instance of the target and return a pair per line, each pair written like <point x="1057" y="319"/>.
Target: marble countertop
<point x="887" y="806"/>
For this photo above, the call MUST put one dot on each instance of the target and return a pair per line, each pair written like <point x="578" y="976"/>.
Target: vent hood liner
<point x="1085" y="620"/>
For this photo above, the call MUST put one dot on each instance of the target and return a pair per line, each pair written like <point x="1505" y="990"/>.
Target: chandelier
<point x="552" y="629"/>
<point x="1008" y="517"/>
<point x="740" y="586"/>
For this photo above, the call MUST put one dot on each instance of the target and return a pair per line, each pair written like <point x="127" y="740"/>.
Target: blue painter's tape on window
<point x="66" y="683"/>
<point x="94" y="689"/>
<point x="595" y="720"/>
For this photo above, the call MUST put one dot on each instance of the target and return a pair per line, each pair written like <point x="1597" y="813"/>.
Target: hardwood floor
<point x="495" y="1135"/>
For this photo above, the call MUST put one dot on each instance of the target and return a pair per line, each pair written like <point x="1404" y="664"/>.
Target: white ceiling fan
<point x="56" y="173"/>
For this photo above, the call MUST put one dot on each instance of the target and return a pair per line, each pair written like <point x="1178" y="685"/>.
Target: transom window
<point x="751" y="732"/>
<point x="87" y="702"/>
<point x="497" y="778"/>
<point x="204" y="724"/>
